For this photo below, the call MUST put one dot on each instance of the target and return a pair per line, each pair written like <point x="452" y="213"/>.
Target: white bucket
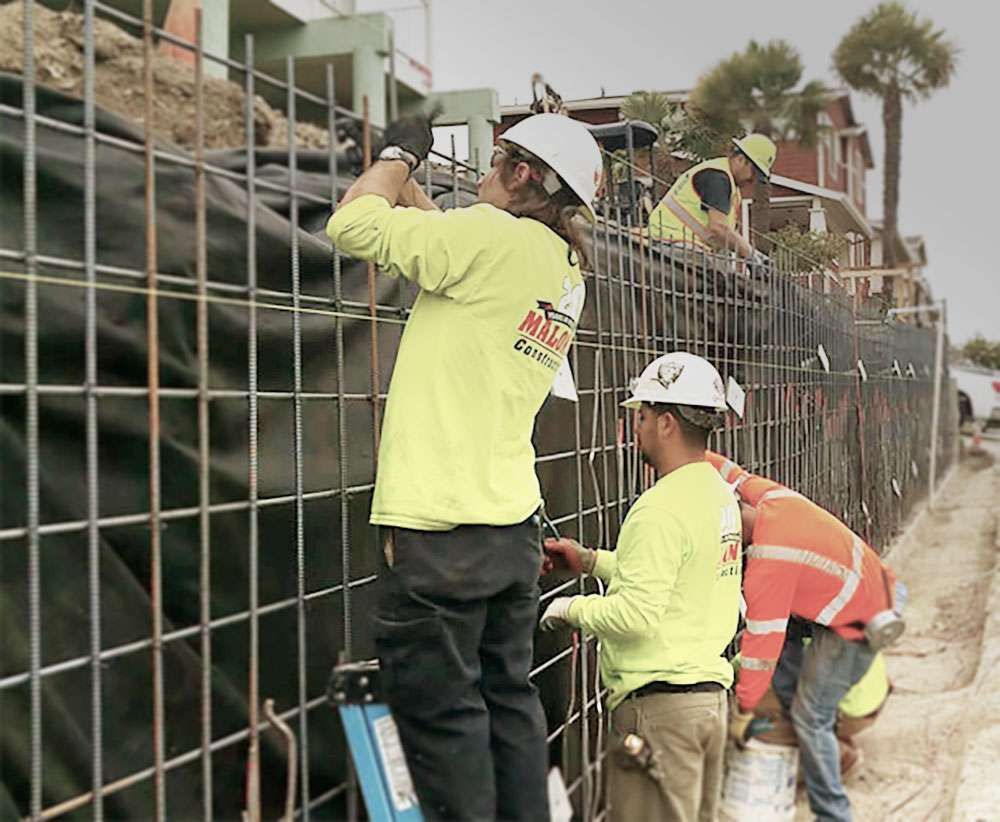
<point x="760" y="783"/>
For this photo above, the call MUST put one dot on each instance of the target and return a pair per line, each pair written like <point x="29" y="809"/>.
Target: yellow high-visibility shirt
<point x="868" y="693"/>
<point x="498" y="307"/>
<point x="681" y="215"/>
<point x="672" y="604"/>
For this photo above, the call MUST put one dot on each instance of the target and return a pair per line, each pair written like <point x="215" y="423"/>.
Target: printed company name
<point x="551" y="329"/>
<point x="731" y="526"/>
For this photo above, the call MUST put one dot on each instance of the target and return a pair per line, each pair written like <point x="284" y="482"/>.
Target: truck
<point x="978" y="394"/>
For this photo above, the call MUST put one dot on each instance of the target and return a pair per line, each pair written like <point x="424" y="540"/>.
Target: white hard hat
<point x="678" y="378"/>
<point x="567" y="147"/>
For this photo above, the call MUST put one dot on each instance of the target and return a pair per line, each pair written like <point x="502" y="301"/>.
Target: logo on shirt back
<point x="546" y="331"/>
<point x="730" y="554"/>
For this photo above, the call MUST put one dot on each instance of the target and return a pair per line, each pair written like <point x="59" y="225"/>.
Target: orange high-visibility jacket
<point x="802" y="562"/>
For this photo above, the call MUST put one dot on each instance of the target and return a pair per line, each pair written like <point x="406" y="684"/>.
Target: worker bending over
<point x="803" y="562"/>
<point x="856" y="712"/>
<point x="672" y="603"/>
<point x="456" y="492"/>
<point x="703" y="204"/>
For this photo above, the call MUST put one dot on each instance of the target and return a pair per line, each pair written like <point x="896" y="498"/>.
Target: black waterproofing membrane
<point x="638" y="306"/>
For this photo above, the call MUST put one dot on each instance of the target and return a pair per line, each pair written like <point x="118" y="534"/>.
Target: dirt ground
<point x="118" y="59"/>
<point x="933" y="753"/>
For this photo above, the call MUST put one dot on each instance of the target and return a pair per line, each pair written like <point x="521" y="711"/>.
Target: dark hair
<point x="557" y="211"/>
<point x="696" y="423"/>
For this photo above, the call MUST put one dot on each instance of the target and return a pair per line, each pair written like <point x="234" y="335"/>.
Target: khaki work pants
<point x="687" y="735"/>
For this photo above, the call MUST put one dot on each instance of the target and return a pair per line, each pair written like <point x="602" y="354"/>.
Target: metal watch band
<point x="397" y="153"/>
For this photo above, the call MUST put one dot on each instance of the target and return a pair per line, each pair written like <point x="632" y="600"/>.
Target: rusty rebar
<point x="204" y="448"/>
<point x="153" y="381"/>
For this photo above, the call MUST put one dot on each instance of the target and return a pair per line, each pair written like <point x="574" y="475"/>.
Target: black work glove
<point x="412" y="134"/>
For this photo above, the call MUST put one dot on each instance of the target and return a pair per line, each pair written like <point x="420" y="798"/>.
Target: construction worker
<point x="672" y="604"/>
<point x="703" y="204"/>
<point x="804" y="563"/>
<point x="859" y="709"/>
<point x="456" y="492"/>
<point x="856" y="712"/>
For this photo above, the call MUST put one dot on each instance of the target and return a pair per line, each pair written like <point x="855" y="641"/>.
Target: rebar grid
<point x="857" y="445"/>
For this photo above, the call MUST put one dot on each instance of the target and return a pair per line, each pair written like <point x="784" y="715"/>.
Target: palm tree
<point x="891" y="54"/>
<point x="680" y="130"/>
<point x="652" y="107"/>
<point x="759" y="89"/>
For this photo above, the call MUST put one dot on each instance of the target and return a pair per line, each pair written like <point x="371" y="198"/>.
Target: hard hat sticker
<point x="668" y="373"/>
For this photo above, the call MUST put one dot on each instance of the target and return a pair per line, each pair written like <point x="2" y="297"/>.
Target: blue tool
<point x="374" y="742"/>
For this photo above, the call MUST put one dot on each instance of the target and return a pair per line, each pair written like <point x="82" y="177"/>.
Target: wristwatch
<point x="397" y="153"/>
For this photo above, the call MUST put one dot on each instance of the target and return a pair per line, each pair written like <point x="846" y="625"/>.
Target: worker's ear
<point x="521" y="176"/>
<point x="666" y="424"/>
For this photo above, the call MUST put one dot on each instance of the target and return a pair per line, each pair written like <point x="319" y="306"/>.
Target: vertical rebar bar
<point x="153" y="380"/>
<point x="584" y="642"/>
<point x="253" y="473"/>
<point x="376" y="381"/>
<point x="31" y="408"/>
<point x="90" y="346"/>
<point x="342" y="453"/>
<point x="942" y="320"/>
<point x="204" y="447"/>
<point x="300" y="548"/>
<point x="604" y="503"/>
<point x="454" y="174"/>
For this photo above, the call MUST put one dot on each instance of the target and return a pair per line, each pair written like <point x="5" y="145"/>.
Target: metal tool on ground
<point x="374" y="741"/>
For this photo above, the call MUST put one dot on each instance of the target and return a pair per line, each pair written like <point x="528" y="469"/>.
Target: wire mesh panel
<point x="191" y="387"/>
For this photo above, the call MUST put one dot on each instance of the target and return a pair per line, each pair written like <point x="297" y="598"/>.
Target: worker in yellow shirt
<point x="671" y="607"/>
<point x="703" y="204"/>
<point x="456" y="491"/>
<point x="856" y="712"/>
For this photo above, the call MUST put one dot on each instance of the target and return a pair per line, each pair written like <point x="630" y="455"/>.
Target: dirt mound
<point x="119" y="82"/>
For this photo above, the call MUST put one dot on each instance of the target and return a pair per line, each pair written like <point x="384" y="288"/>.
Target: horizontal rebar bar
<point x="181" y="633"/>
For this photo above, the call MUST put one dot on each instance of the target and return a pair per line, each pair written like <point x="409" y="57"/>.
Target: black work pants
<point x="454" y="632"/>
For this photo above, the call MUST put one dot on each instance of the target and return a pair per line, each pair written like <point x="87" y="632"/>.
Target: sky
<point x="951" y="165"/>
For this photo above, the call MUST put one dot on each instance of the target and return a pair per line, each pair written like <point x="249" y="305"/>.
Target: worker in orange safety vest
<point x="804" y="563"/>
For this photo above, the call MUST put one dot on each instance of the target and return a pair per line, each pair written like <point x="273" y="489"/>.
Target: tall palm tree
<point x="891" y="54"/>
<point x="759" y="89"/>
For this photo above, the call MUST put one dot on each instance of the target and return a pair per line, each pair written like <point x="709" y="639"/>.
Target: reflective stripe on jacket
<point x="680" y="215"/>
<point x="802" y="562"/>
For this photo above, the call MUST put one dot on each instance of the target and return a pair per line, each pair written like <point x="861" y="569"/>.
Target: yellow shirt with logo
<point x="499" y="302"/>
<point x="672" y="604"/>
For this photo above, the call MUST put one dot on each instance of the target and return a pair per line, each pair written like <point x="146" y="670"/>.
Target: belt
<point x="671" y="688"/>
